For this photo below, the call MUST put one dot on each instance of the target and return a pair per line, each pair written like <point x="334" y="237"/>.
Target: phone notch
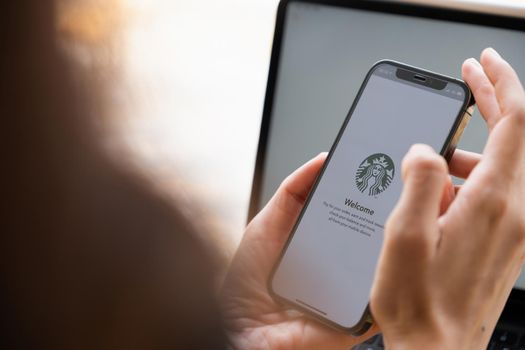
<point x="420" y="79"/>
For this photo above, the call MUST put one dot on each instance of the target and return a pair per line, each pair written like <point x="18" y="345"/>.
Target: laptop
<point x="321" y="53"/>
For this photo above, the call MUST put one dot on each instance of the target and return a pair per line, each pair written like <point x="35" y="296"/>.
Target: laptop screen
<point x="325" y="54"/>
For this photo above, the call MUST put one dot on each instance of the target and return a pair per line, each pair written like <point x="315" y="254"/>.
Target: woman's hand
<point x="445" y="275"/>
<point x="253" y="319"/>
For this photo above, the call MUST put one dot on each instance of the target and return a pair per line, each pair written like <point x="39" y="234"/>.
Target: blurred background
<point x="195" y="76"/>
<point x="188" y="92"/>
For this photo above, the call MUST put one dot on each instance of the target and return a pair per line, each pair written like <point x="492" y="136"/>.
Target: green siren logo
<point x="375" y="174"/>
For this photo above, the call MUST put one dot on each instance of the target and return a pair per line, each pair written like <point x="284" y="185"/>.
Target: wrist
<point x="414" y="345"/>
<point x="417" y="338"/>
<point x="417" y="341"/>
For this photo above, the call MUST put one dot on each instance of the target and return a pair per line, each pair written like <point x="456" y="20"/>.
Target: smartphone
<point x="327" y="266"/>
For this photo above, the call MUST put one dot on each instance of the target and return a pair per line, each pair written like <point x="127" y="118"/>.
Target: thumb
<point x="425" y="176"/>
<point x="282" y="211"/>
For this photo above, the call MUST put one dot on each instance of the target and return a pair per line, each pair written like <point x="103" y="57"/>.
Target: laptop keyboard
<point x="507" y="339"/>
<point x="502" y="339"/>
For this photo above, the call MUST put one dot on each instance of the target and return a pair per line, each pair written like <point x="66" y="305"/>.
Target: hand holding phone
<point x="252" y="317"/>
<point x="443" y="280"/>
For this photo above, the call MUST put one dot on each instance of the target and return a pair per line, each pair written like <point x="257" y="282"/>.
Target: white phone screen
<point x="329" y="263"/>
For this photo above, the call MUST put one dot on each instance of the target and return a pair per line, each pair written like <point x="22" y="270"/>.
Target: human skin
<point x="448" y="262"/>
<point x="253" y="319"/>
<point x="444" y="276"/>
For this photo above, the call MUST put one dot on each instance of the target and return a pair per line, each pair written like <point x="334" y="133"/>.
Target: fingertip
<point x="466" y="66"/>
<point x="318" y="160"/>
<point x="322" y="155"/>
<point x="490" y="52"/>
<point x="422" y="160"/>
<point x="420" y="148"/>
<point x="470" y="63"/>
<point x="485" y="54"/>
<point x="417" y="151"/>
<point x="488" y="56"/>
<point x="469" y="66"/>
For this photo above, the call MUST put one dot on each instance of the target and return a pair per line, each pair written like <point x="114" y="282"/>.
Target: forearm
<point x="416" y="344"/>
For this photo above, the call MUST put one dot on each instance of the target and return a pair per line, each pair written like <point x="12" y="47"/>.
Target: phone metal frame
<point x="447" y="150"/>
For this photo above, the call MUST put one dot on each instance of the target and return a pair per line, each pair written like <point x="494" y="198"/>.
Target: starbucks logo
<point x="375" y="174"/>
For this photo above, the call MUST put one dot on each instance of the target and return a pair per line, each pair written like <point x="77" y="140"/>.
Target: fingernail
<point x="493" y="52"/>
<point x="474" y="61"/>
<point x="419" y="147"/>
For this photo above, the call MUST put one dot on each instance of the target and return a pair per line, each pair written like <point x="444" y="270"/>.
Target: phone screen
<point x="329" y="263"/>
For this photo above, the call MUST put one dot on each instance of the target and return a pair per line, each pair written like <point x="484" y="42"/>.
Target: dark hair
<point x="90" y="256"/>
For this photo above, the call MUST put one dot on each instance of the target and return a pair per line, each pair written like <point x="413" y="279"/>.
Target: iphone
<point x="327" y="266"/>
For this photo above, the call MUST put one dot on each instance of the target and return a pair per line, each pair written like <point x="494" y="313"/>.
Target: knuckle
<point x="392" y="227"/>
<point x="286" y="199"/>
<point x="492" y="201"/>
<point x="485" y="89"/>
<point x="407" y="236"/>
<point x="519" y="232"/>
<point x="518" y="114"/>
<point x="283" y="187"/>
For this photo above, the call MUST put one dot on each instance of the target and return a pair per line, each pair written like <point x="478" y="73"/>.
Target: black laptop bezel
<point x="515" y="308"/>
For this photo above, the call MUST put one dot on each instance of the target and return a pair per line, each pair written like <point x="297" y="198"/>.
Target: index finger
<point x="505" y="148"/>
<point x="509" y="91"/>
